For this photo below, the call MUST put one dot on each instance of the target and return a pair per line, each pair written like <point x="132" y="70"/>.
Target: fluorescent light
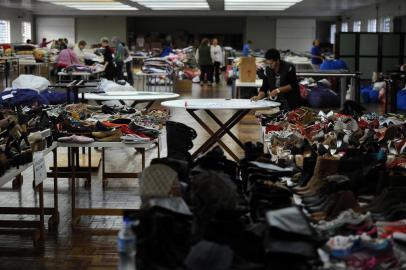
<point x="174" y="4"/>
<point x="92" y="4"/>
<point x="259" y="5"/>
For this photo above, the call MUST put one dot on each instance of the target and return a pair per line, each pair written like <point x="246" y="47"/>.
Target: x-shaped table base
<point x="215" y="136"/>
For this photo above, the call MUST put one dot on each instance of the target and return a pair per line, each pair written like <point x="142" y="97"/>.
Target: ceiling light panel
<point x="91" y="4"/>
<point x="259" y="4"/>
<point x="174" y="4"/>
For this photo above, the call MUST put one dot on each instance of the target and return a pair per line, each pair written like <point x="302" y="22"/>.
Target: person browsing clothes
<point x="280" y="82"/>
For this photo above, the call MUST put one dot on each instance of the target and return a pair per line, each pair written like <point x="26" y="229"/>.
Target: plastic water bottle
<point x="126" y="246"/>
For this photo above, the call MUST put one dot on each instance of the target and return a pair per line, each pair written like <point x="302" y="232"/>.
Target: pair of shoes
<point x="210" y="84"/>
<point x="113" y="136"/>
<point x="133" y="138"/>
<point x="76" y="139"/>
<point x="36" y="141"/>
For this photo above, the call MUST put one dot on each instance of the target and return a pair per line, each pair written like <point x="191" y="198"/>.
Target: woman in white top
<point x="218" y="60"/>
<point x="79" y="51"/>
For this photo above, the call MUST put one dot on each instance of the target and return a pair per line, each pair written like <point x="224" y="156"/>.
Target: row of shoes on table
<point x="82" y="123"/>
<point x="348" y="178"/>
<point x="22" y="132"/>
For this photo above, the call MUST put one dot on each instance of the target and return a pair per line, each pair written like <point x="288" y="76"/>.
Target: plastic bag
<point x="33" y="82"/>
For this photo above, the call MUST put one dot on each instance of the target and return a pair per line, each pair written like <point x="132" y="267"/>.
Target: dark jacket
<point x="205" y="56"/>
<point x="287" y="73"/>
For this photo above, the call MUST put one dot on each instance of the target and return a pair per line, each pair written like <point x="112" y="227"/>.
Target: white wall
<point x="55" y="27"/>
<point x="295" y="34"/>
<point x="16" y="17"/>
<point x="262" y="32"/>
<point x="92" y="28"/>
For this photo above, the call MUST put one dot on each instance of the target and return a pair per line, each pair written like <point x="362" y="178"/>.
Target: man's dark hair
<point x="249" y="41"/>
<point x="272" y="54"/>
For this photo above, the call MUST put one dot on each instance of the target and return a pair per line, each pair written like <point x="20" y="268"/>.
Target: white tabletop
<point x="257" y="83"/>
<point x="132" y="95"/>
<point x="220" y="104"/>
<point x="151" y="74"/>
<point x="79" y="73"/>
<point x="108" y="144"/>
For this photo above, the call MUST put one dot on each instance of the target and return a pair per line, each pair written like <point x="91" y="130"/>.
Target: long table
<point x="14" y="174"/>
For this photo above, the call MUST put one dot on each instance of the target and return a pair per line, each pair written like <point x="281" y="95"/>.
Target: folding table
<point x="135" y="96"/>
<point x="241" y="106"/>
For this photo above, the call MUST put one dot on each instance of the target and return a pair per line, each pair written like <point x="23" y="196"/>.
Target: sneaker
<point x="209" y="84"/>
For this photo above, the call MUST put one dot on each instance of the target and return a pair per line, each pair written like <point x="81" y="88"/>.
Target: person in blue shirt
<point x="246" y="49"/>
<point x="317" y="57"/>
<point x="336" y="64"/>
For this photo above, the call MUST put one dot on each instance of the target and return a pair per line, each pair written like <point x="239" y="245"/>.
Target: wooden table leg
<point x="215" y="118"/>
<point x="104" y="177"/>
<point x="42" y="214"/>
<point x="75" y="218"/>
<point x="54" y="219"/>
<point x="209" y="141"/>
<point x="18" y="182"/>
<point x="216" y="136"/>
<point x="88" y="182"/>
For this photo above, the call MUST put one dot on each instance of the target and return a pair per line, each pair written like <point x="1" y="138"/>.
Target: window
<point x="357" y="26"/>
<point x="25" y="31"/>
<point x="386" y="24"/>
<point x="372" y="25"/>
<point x="332" y="33"/>
<point x="4" y="31"/>
<point x="344" y="27"/>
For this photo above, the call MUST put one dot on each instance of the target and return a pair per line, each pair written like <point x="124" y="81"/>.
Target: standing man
<point x="119" y="56"/>
<point x="246" y="49"/>
<point x="280" y="82"/>
<point x="317" y="57"/>
<point x="218" y="60"/>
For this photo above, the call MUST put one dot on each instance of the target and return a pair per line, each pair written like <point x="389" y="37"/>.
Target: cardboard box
<point x="183" y="85"/>
<point x="248" y="69"/>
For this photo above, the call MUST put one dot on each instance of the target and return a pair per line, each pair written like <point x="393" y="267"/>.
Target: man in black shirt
<point x="280" y="82"/>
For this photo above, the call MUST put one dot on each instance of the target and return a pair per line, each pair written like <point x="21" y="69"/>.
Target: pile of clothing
<point x="319" y="94"/>
<point x="30" y="90"/>
<point x="82" y="68"/>
<point x="157" y="65"/>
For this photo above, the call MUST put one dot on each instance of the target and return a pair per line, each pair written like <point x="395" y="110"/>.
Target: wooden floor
<point x="84" y="249"/>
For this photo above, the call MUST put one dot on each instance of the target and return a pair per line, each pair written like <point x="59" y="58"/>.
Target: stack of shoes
<point x="290" y="241"/>
<point x="179" y="138"/>
<point x="389" y="205"/>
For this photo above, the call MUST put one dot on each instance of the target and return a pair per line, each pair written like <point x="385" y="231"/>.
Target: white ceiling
<point x="305" y="8"/>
